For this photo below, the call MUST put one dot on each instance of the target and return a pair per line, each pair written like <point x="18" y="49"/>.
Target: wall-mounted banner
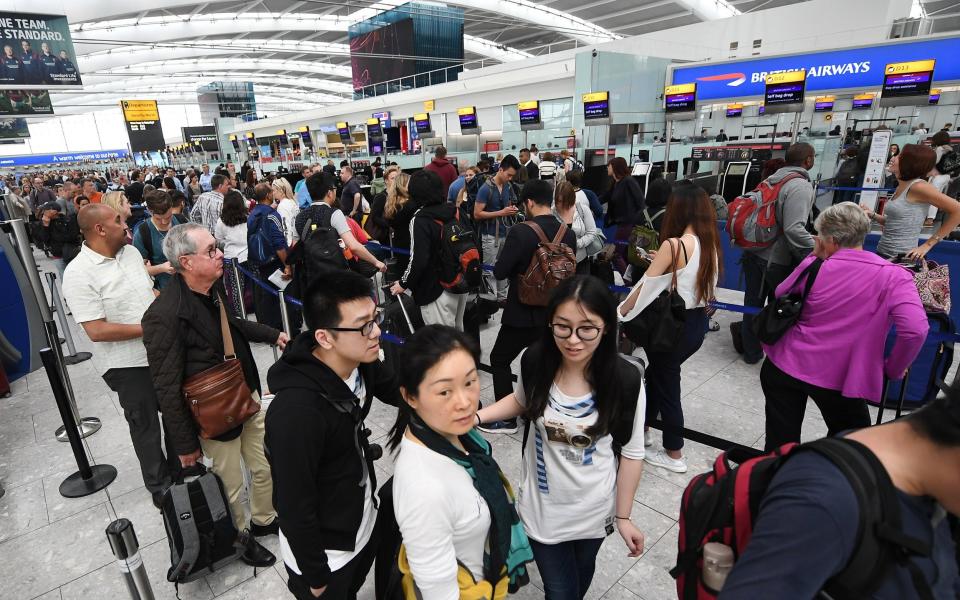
<point x="51" y="159"/>
<point x="861" y="68"/>
<point x="205" y="135"/>
<point x="14" y="129"/>
<point x="143" y="125"/>
<point x="36" y="51"/>
<point x="14" y="103"/>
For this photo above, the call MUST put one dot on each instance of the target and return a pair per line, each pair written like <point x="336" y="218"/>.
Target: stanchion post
<point x="284" y="317"/>
<point x="126" y="549"/>
<point x="238" y="287"/>
<point x="87" y="479"/>
<point x="87" y="425"/>
<point x="73" y="357"/>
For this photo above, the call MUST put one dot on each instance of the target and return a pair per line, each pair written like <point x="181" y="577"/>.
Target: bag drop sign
<point x="36" y="51"/>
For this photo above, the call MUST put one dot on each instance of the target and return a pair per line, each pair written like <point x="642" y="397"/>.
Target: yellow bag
<point x="469" y="588"/>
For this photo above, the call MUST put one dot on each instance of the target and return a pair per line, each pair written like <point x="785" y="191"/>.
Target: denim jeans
<point x="759" y="290"/>
<point x="491" y="250"/>
<point x="663" y="379"/>
<point x="566" y="568"/>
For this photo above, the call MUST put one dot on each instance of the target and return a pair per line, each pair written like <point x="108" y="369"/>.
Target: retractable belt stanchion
<point x="126" y="549"/>
<point x="74" y="357"/>
<point x="87" y="479"/>
<point x="85" y="426"/>
<point x="284" y="320"/>
<point x="238" y="287"/>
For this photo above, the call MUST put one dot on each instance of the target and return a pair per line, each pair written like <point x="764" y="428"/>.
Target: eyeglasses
<point x="586" y="333"/>
<point x="364" y="329"/>
<point x="210" y="252"/>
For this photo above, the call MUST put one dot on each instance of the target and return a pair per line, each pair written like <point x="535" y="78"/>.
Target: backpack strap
<point x="536" y="228"/>
<point x="187" y="524"/>
<point x="147" y="238"/>
<point x="881" y="539"/>
<point x="558" y="239"/>
<point x="211" y="492"/>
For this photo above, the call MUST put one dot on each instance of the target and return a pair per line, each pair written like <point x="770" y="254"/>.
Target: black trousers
<point x="786" y="401"/>
<point x="511" y="341"/>
<point x="139" y="402"/>
<point x="760" y="284"/>
<point x="345" y="582"/>
<point x="267" y="305"/>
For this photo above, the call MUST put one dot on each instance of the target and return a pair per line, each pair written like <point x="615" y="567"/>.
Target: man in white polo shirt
<point x="108" y="290"/>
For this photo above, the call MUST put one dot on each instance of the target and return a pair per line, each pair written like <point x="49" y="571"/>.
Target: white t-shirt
<point x="568" y="491"/>
<point x="118" y="290"/>
<point x="289" y="209"/>
<point x="442" y="517"/>
<point x="337" y="559"/>
<point x="234" y="239"/>
<point x="686" y="285"/>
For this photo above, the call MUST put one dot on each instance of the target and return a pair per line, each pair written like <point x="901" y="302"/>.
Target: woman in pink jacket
<point x="835" y="352"/>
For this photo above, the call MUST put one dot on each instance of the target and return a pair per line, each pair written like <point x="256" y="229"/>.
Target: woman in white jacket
<point x="573" y="208"/>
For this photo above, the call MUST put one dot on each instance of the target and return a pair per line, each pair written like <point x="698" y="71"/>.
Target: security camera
<point x="594" y="53"/>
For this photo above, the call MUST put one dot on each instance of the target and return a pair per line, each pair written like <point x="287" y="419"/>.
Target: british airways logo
<point x="732" y="79"/>
<point x="850" y="68"/>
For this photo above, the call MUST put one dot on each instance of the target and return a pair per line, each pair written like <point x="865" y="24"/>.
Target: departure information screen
<point x="934" y="96"/>
<point x="596" y="105"/>
<point x="908" y="79"/>
<point x="468" y="117"/>
<point x="863" y="102"/>
<point x="734" y="110"/>
<point x="529" y="112"/>
<point x="343" y="129"/>
<point x="422" y="123"/>
<point x="784" y="88"/>
<point x="374" y="129"/>
<point x="680" y="98"/>
<point x="823" y="104"/>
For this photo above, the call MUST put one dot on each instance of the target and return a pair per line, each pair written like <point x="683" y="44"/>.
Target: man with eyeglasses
<point x="149" y="234"/>
<point x="183" y="337"/>
<point x="521" y="324"/>
<point x="318" y="444"/>
<point x="108" y="291"/>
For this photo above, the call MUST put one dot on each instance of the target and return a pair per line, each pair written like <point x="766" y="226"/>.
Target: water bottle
<point x="717" y="563"/>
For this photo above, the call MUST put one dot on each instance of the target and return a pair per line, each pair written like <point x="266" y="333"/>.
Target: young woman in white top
<point x="287" y="207"/>
<point x="573" y="208"/>
<point x="689" y="229"/>
<point x="454" y="508"/>
<point x="231" y="233"/>
<point x="585" y="408"/>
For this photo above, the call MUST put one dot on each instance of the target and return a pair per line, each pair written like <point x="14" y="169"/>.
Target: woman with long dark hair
<point x="585" y="409"/>
<point x="689" y="233"/>
<point x="462" y="537"/>
<point x="624" y="199"/>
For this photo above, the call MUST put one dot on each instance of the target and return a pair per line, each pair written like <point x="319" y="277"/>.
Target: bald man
<point x="108" y="290"/>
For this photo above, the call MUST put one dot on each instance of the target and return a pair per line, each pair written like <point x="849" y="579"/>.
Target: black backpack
<point x="200" y="529"/>
<point x="949" y="164"/>
<point x="320" y="250"/>
<point x="459" y="265"/>
<point x="723" y="504"/>
<point x="145" y="235"/>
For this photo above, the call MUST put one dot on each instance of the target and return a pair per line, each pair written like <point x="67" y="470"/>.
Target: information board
<point x="304" y="132"/>
<point x="142" y="118"/>
<point x="596" y="108"/>
<point x="823" y="104"/>
<point x="874" y="174"/>
<point x="205" y="136"/>
<point x="468" y="120"/>
<point x="934" y="96"/>
<point x="529" y="114"/>
<point x="374" y="129"/>
<point x="343" y="128"/>
<point x="421" y="122"/>
<point x="783" y="92"/>
<point x="863" y="101"/>
<point x="680" y="98"/>
<point x="907" y="83"/>
<point x="734" y="110"/>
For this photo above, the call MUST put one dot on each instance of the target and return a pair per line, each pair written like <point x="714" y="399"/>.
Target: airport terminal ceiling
<point x="297" y="52"/>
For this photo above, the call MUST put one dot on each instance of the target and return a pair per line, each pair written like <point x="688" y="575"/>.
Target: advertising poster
<point x="204" y="135"/>
<point x="14" y="103"/>
<point x="876" y="161"/>
<point x="36" y="51"/>
<point x="14" y="129"/>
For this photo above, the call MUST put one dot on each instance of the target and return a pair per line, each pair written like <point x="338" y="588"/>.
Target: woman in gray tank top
<point x="903" y="215"/>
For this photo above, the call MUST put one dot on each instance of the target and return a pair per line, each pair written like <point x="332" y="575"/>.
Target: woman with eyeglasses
<point x="583" y="446"/>
<point x="691" y="248"/>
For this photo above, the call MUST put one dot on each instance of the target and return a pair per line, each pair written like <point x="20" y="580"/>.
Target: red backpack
<point x="723" y="505"/>
<point x="752" y="220"/>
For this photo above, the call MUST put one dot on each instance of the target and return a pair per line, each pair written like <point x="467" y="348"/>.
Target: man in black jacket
<point x="521" y="324"/>
<point x="324" y="482"/>
<point x="60" y="234"/>
<point x="437" y="305"/>
<point x="183" y="337"/>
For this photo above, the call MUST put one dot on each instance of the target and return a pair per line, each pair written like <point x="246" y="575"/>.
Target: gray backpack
<point x="200" y="529"/>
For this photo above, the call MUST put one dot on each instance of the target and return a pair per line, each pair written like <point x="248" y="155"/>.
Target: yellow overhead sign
<point x="373" y="121"/>
<point x="249" y="135"/>
<point x="734" y="106"/>
<point x="281" y="132"/>
<point x="825" y="99"/>
<point x="303" y="128"/>
<point x="914" y="66"/>
<point x="786" y="77"/>
<point x="429" y="105"/>
<point x="528" y="105"/>
<point x="467" y="110"/>
<point x="864" y="96"/>
<point x="683" y="88"/>
<point x="233" y="138"/>
<point x="935" y="92"/>
<point x="595" y="96"/>
<point x="342" y="125"/>
<point x="140" y="110"/>
<point x="421" y="117"/>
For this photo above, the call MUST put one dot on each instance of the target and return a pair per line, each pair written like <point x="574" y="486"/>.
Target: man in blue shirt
<point x="808" y="528"/>
<point x="264" y="221"/>
<point x="205" y="179"/>
<point x="300" y="190"/>
<point x="458" y="183"/>
<point x="495" y="202"/>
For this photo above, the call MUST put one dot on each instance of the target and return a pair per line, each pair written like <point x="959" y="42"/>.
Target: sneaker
<point x="262" y="530"/>
<point x="509" y="426"/>
<point x="647" y="439"/>
<point x="660" y="459"/>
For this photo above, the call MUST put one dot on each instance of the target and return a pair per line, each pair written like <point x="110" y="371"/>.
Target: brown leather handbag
<point x="219" y="397"/>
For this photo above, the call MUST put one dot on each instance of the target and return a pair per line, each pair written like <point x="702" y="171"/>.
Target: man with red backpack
<point x="444" y="260"/>
<point x="768" y="263"/>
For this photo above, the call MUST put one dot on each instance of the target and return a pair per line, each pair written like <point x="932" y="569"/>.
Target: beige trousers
<point x="226" y="457"/>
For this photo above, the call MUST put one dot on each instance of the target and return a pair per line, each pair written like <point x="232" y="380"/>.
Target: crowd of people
<point x="159" y="297"/>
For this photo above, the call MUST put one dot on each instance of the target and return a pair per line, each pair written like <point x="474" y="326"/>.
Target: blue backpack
<point x="259" y="248"/>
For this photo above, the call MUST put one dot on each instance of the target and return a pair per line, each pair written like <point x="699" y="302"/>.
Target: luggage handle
<point x="900" y="397"/>
<point x="403" y="308"/>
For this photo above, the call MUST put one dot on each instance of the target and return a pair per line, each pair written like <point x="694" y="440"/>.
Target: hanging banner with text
<point x="143" y="125"/>
<point x="36" y="52"/>
<point x="873" y="176"/>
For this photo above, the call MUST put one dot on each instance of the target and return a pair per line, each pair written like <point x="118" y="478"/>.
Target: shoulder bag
<point x="659" y="326"/>
<point x="778" y="317"/>
<point x="219" y="398"/>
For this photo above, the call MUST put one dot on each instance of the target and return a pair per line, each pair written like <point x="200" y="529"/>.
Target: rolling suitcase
<point x="401" y="317"/>
<point x="900" y="396"/>
<point x="928" y="370"/>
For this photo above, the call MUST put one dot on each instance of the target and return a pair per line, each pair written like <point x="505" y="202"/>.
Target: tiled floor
<point x="54" y="548"/>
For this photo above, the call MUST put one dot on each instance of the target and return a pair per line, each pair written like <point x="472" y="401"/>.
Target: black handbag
<point x="776" y="318"/>
<point x="659" y="326"/>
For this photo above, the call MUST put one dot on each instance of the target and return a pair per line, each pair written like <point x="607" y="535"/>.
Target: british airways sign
<point x="857" y="68"/>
